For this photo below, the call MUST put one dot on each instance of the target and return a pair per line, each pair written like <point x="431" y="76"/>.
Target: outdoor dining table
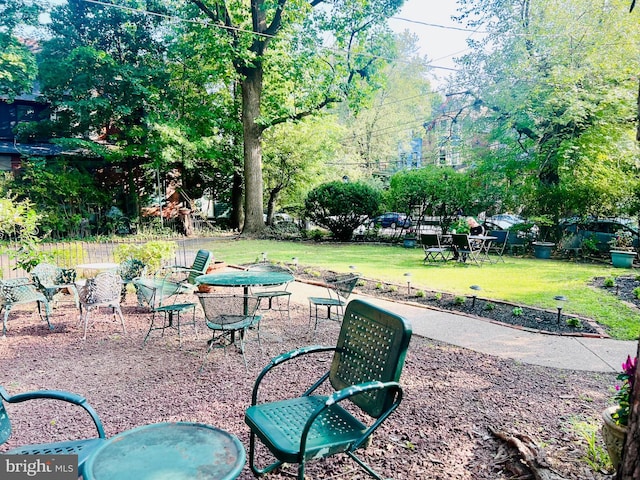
<point x="176" y="451"/>
<point x="244" y="278"/>
<point x="485" y="243"/>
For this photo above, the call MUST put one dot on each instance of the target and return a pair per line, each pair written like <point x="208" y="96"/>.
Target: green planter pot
<point x="622" y="259"/>
<point x="542" y="249"/>
<point x="409" y="242"/>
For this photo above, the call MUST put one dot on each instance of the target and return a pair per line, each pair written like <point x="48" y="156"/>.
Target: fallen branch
<point x="532" y="457"/>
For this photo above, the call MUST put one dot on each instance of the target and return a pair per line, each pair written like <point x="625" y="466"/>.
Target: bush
<point x="151" y="253"/>
<point x="341" y="207"/>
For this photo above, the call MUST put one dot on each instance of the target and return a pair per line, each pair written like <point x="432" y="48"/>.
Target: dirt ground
<point x="453" y="396"/>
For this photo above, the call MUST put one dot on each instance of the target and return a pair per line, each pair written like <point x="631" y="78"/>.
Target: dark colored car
<point x="391" y="220"/>
<point x="601" y="231"/>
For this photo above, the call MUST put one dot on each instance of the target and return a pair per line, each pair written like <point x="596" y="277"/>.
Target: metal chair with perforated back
<point x="81" y="447"/>
<point x="365" y="370"/>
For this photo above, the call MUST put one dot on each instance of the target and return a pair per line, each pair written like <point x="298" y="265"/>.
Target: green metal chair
<point x="19" y="291"/>
<point x="171" y="280"/>
<point x="51" y="280"/>
<point x="338" y="288"/>
<point x="81" y="447"/>
<point x="366" y="367"/>
<point x="277" y="296"/>
<point x="227" y="314"/>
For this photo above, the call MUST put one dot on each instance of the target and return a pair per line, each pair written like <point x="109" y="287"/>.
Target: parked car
<point x="601" y="231"/>
<point x="391" y="220"/>
<point x="503" y="221"/>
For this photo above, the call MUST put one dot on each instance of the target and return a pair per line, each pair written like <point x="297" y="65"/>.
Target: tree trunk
<point x="237" y="212"/>
<point x="251" y="85"/>
<point x="629" y="468"/>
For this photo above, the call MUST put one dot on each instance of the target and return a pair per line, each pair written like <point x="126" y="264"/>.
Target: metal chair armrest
<point x="69" y="397"/>
<point x="346" y="393"/>
<point x="285" y="357"/>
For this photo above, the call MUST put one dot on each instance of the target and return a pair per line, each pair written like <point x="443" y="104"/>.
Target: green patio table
<point x="176" y="451"/>
<point x="244" y="278"/>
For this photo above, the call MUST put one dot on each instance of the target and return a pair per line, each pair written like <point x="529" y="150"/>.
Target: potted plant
<point x="621" y="250"/>
<point x="410" y="238"/>
<point x="616" y="417"/>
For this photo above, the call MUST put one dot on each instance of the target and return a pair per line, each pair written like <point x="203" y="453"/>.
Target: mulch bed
<point x="454" y="397"/>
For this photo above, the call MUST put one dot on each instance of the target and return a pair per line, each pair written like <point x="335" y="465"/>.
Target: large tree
<point x="554" y="87"/>
<point x="295" y="28"/>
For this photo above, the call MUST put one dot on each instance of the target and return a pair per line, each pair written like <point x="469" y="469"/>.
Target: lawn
<point x="526" y="281"/>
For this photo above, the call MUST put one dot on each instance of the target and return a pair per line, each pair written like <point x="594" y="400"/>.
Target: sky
<point x="431" y="21"/>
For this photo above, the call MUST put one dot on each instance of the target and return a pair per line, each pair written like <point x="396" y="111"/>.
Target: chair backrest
<point x="105" y="287"/>
<point x="18" y="290"/>
<point x="501" y="236"/>
<point x="200" y="265"/>
<point x="225" y="309"/>
<point x="270" y="267"/>
<point x="461" y="240"/>
<point x="45" y="274"/>
<point x="344" y="285"/>
<point x="430" y="240"/>
<point x="372" y="346"/>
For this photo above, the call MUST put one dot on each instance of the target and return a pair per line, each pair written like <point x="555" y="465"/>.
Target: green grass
<point x="524" y="281"/>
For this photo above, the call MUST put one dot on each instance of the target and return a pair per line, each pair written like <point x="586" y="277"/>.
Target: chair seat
<point x="176" y="307"/>
<point x="235" y="322"/>
<point x="326" y="301"/>
<point x="271" y="293"/>
<point x="279" y="426"/>
<point x="83" y="448"/>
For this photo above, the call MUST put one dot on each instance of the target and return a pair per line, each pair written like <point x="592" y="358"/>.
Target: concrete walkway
<point x="575" y="353"/>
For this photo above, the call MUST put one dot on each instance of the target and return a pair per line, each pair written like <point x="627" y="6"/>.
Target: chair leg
<point x="252" y="459"/>
<point x="366" y="467"/>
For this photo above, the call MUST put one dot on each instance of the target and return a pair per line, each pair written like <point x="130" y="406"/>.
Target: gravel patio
<point x="442" y="430"/>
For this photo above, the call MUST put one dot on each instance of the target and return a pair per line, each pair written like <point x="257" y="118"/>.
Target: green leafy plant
<point x="393" y="288"/>
<point x="595" y="455"/>
<point x="378" y="286"/>
<point x="574" y="322"/>
<point x="420" y="294"/>
<point x="489" y="306"/>
<point x="438" y="296"/>
<point x="609" y="282"/>
<point x="459" y="300"/>
<point x="636" y="292"/>
<point x="316" y="235"/>
<point x="517" y="311"/>
<point x="151" y="253"/>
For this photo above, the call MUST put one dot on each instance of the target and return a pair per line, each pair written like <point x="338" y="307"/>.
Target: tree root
<point x="530" y="455"/>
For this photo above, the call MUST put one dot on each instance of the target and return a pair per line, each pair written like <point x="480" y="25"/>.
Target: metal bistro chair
<point x="499" y="245"/>
<point x="365" y="370"/>
<point x="102" y="291"/>
<point x="171" y="280"/>
<point x="51" y="280"/>
<point x="277" y="295"/>
<point x="226" y="314"/>
<point x="339" y="288"/>
<point x="465" y="248"/>
<point x="433" y="249"/>
<point x="19" y="291"/>
<point x="81" y="447"/>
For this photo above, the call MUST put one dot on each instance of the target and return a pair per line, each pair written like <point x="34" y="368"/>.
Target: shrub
<point x="420" y="294"/>
<point x="609" y="282"/>
<point x="636" y="292"/>
<point x="459" y="300"/>
<point x="490" y="306"/>
<point x="340" y="207"/>
<point x="393" y="288"/>
<point x="438" y="296"/>
<point x="517" y="311"/>
<point x="574" y="322"/>
<point x="151" y="253"/>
